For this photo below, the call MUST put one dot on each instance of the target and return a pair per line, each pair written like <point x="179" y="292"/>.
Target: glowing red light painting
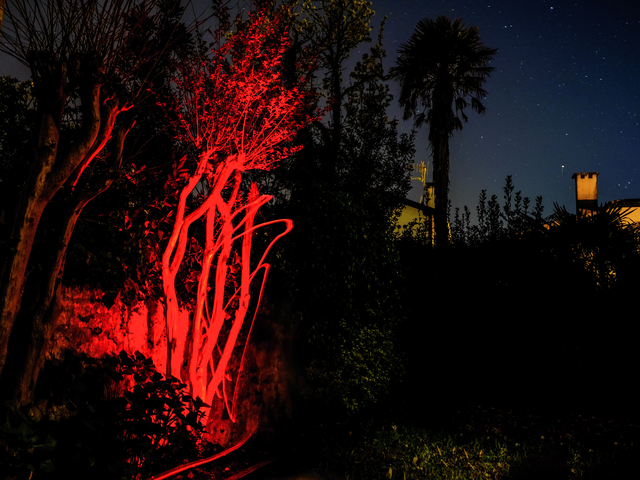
<point x="237" y="113"/>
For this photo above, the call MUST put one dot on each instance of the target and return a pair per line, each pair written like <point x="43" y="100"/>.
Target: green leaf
<point x="47" y="465"/>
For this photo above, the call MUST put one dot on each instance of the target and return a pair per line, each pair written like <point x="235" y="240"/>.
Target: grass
<point x="482" y="443"/>
<point x="416" y="440"/>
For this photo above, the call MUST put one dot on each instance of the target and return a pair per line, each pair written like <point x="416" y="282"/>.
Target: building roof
<point x="417" y="205"/>
<point x="583" y="174"/>
<point x="627" y="202"/>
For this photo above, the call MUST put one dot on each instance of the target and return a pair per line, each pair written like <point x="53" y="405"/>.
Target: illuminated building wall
<point x="586" y="192"/>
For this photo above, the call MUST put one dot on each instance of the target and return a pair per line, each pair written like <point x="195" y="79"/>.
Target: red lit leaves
<point x="234" y="113"/>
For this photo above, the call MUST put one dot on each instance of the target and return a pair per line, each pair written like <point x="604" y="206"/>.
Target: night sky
<point x="564" y="96"/>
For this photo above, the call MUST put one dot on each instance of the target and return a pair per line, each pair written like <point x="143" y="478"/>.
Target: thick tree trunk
<point x="29" y="339"/>
<point x="440" y="148"/>
<point x="441" y="126"/>
<point x="38" y="315"/>
<point x="29" y="318"/>
<point x="27" y="212"/>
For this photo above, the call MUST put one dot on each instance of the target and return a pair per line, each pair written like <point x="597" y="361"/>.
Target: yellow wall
<point x="631" y="214"/>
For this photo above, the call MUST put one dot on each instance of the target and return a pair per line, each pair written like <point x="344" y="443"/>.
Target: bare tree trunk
<point x="32" y="281"/>
<point x="40" y="310"/>
<point x="80" y="57"/>
<point x="38" y="316"/>
<point x="440" y="148"/>
<point x="441" y="127"/>
<point x="30" y="206"/>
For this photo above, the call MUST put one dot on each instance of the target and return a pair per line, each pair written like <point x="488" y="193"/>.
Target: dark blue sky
<point x="565" y="92"/>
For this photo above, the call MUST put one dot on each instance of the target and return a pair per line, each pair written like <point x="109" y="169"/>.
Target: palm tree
<point x="439" y="69"/>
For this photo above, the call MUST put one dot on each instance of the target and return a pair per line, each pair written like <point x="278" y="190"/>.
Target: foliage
<point x="17" y="112"/>
<point x="393" y="451"/>
<point x="602" y="249"/>
<point x="375" y="159"/>
<point x="114" y="247"/>
<point x="25" y="449"/>
<point x="440" y="68"/>
<point x="368" y="157"/>
<point x="482" y="443"/>
<point x="523" y="291"/>
<point x="90" y="62"/>
<point x="331" y="30"/>
<point x="235" y="114"/>
<point x="111" y="418"/>
<point x="596" y="251"/>
<point x="335" y="28"/>
<point x="158" y="420"/>
<point x="340" y="268"/>
<point x="493" y="224"/>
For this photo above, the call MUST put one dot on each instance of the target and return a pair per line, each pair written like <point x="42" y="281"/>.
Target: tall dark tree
<point x="339" y="267"/>
<point x="441" y="69"/>
<point x="86" y="62"/>
<point x="333" y="29"/>
<point x="375" y="160"/>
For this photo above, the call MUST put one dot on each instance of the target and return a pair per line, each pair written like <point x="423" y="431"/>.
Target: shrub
<point x="115" y="417"/>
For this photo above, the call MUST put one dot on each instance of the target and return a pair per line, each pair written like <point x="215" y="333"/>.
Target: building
<point x="418" y="215"/>
<point x="587" y="198"/>
<point x="630" y="209"/>
<point x="586" y="192"/>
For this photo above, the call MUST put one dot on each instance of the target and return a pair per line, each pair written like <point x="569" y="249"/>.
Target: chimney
<point x="586" y="192"/>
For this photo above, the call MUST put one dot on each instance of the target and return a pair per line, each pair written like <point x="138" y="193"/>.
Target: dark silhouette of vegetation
<point x="496" y="223"/>
<point x="114" y="417"/>
<point x="439" y="68"/>
<point x="479" y="442"/>
<point x="17" y="121"/>
<point x="332" y="30"/>
<point x="526" y="298"/>
<point x="338" y="268"/>
<point x="520" y="312"/>
<point x="87" y="71"/>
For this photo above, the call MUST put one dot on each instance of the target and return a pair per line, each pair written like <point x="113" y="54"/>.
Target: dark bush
<point x="115" y="417"/>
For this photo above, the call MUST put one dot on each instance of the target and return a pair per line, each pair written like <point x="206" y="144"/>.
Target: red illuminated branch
<point x="197" y="463"/>
<point x="235" y="110"/>
<point x="109" y="111"/>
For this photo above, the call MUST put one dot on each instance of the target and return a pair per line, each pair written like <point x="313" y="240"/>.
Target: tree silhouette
<point x="439" y="68"/>
<point x="85" y="61"/>
<point x="341" y="282"/>
<point x="333" y="29"/>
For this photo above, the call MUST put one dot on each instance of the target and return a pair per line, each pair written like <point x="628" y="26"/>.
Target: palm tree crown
<point x="442" y="69"/>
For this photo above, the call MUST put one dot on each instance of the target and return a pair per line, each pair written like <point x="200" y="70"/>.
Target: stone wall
<point x="87" y="325"/>
<point x="267" y="381"/>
